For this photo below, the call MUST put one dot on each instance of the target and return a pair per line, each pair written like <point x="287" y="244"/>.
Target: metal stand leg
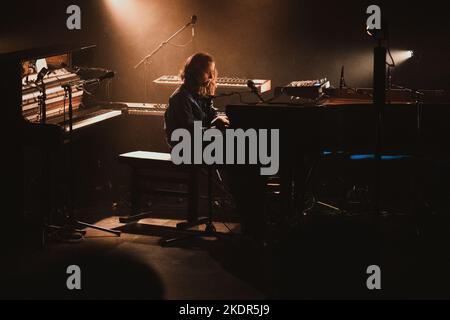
<point x="209" y="225"/>
<point x="193" y="206"/>
<point x="210" y="229"/>
<point x="84" y="224"/>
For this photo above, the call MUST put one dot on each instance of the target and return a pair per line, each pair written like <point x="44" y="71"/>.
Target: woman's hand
<point x="221" y="122"/>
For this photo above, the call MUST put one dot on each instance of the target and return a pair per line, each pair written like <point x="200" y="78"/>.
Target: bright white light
<point x="119" y="4"/>
<point x="401" y="55"/>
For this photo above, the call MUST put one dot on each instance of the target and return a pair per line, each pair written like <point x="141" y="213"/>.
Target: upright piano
<point x="23" y="124"/>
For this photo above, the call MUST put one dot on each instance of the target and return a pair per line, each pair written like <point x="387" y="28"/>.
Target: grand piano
<point x="347" y="122"/>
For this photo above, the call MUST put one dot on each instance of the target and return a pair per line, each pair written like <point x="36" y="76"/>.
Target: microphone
<point x="192" y="23"/>
<point x="42" y="74"/>
<point x="342" y="81"/>
<point x="193" y="20"/>
<point x="254" y="90"/>
<point x="108" y="75"/>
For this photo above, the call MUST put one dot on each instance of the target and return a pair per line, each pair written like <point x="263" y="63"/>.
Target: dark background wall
<point x="281" y="40"/>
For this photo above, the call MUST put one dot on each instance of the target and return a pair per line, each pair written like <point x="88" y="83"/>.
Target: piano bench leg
<point x="135" y="217"/>
<point x="189" y="224"/>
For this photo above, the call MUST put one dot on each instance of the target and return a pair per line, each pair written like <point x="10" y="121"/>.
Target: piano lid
<point x="42" y="52"/>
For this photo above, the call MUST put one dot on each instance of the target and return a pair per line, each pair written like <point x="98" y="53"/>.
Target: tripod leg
<point x="219" y="176"/>
<point x="329" y="206"/>
<point x="166" y="242"/>
<point x="116" y="232"/>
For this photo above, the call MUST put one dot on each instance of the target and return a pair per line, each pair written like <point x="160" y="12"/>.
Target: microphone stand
<point x="148" y="57"/>
<point x="229" y="94"/>
<point x="418" y="178"/>
<point x="254" y="90"/>
<point x="256" y="93"/>
<point x="45" y="195"/>
<point x="42" y="103"/>
<point x="72" y="222"/>
<point x="222" y="95"/>
<point x="342" y="84"/>
<point x="379" y="100"/>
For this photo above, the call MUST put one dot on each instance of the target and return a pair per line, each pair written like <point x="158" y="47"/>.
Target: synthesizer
<point x="224" y="83"/>
<point x="310" y="89"/>
<point x="144" y="109"/>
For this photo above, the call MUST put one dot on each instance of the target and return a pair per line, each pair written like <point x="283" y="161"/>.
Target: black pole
<point x="379" y="100"/>
<point x="71" y="217"/>
<point x="146" y="75"/>
<point x="70" y="167"/>
<point x="43" y="103"/>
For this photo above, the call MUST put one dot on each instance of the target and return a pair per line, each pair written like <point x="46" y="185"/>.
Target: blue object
<point x="368" y="156"/>
<point x="372" y="157"/>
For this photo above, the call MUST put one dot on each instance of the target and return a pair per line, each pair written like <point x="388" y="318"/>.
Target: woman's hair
<point x="193" y="70"/>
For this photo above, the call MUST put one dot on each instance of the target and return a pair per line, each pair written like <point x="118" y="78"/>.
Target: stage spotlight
<point x="401" y="56"/>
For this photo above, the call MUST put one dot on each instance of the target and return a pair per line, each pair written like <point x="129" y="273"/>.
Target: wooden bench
<point x="156" y="166"/>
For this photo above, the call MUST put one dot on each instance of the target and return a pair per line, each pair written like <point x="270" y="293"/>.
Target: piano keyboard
<point x="145" y="109"/>
<point x="93" y="119"/>
<point x="85" y="118"/>
<point x="225" y="83"/>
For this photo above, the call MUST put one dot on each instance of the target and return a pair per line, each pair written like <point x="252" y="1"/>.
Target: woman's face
<point x="208" y="73"/>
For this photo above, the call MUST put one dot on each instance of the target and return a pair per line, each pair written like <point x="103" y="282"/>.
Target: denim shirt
<point x="184" y="108"/>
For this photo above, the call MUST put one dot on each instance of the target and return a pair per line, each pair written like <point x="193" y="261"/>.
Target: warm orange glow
<point x="130" y="15"/>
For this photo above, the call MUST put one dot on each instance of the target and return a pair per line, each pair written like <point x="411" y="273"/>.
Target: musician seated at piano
<point x="192" y="100"/>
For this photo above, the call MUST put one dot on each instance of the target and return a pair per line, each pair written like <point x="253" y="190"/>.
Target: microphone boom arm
<point x="162" y="44"/>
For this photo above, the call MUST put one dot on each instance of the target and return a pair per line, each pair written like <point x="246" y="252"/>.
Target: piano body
<point x="345" y="125"/>
<point x="29" y="133"/>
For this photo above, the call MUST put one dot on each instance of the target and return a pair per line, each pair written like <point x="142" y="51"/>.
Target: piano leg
<point x="293" y="176"/>
<point x="286" y="190"/>
<point x="299" y="186"/>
